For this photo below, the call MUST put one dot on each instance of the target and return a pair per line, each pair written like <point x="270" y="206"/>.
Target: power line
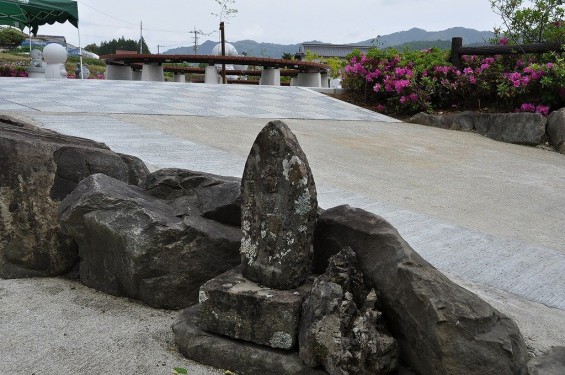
<point x="104" y="13"/>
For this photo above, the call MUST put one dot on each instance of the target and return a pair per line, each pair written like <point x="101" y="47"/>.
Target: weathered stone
<point x="244" y="358"/>
<point x="340" y="327"/>
<point x="279" y="210"/>
<point x="556" y="129"/>
<point x="137" y="170"/>
<point x="441" y="327"/>
<point x="519" y="128"/>
<point x="132" y="244"/>
<point x="37" y="169"/>
<point x="550" y="363"/>
<point x="214" y="197"/>
<point x="234" y="306"/>
<point x="463" y="121"/>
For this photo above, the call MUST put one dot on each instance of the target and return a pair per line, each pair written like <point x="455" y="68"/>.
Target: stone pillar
<point x="293" y="81"/>
<point x="309" y="79"/>
<point x="211" y="75"/>
<point x="271" y="77"/>
<point x="118" y="72"/>
<point x="152" y="72"/>
<point x="136" y="75"/>
<point x="179" y="77"/>
<point x="279" y="210"/>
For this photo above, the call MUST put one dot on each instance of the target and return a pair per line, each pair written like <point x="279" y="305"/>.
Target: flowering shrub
<point x="405" y="83"/>
<point x="10" y="71"/>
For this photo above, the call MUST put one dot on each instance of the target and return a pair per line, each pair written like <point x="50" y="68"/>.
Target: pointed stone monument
<point x="279" y="210"/>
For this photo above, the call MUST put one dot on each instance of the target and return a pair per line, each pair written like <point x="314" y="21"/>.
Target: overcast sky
<point x="167" y="22"/>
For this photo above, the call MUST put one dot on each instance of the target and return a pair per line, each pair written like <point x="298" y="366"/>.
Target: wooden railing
<point x="457" y="50"/>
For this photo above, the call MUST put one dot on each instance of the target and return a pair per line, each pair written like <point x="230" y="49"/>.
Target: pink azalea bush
<point x="11" y="71"/>
<point x="409" y="82"/>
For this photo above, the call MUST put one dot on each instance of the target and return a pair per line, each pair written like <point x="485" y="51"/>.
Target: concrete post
<point x="179" y="77"/>
<point x="118" y="72"/>
<point x="325" y="80"/>
<point x="309" y="79"/>
<point x="270" y="76"/>
<point x="136" y="75"/>
<point x="211" y="75"/>
<point x="152" y="72"/>
<point x="293" y="81"/>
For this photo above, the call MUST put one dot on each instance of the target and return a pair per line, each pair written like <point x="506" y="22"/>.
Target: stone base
<point x="234" y="306"/>
<point x="239" y="356"/>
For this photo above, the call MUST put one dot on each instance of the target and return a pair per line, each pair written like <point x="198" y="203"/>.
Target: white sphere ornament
<point x="55" y="54"/>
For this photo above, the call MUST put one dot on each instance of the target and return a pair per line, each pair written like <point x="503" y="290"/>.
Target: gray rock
<point x="279" y="210"/>
<point x="245" y="358"/>
<point x="556" y="129"/>
<point x="137" y="170"/>
<point x="441" y="327"/>
<point x="214" y="197"/>
<point x="519" y="128"/>
<point x="463" y="121"/>
<point x="234" y="306"/>
<point x="131" y="244"/>
<point x="38" y="168"/>
<point x="340" y="326"/>
<point x="550" y="363"/>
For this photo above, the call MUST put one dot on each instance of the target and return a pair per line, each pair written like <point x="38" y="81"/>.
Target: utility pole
<point x="223" y="36"/>
<point x="141" y="38"/>
<point x="158" y="51"/>
<point x="196" y="34"/>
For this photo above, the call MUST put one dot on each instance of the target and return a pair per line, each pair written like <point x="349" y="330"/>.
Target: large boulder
<point x="212" y="196"/>
<point x="441" y="327"/>
<point x="464" y="121"/>
<point x="556" y="129"/>
<point x="341" y="328"/>
<point x="38" y="168"/>
<point x="520" y="128"/>
<point x="132" y="244"/>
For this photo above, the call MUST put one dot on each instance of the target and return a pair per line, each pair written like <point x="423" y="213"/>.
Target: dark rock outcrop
<point x="463" y="121"/>
<point x="519" y="128"/>
<point x="279" y="210"/>
<point x="132" y="244"/>
<point x="550" y="363"/>
<point x="38" y="168"/>
<point x="556" y="129"/>
<point x="211" y="196"/>
<point x="242" y="357"/>
<point x="441" y="327"/>
<point x="340" y="326"/>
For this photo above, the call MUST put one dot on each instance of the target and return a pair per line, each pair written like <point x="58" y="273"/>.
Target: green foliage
<point x="287" y="56"/>
<point x="179" y="371"/>
<point x="540" y="22"/>
<point x="110" y="47"/>
<point x="10" y="36"/>
<point x="309" y="56"/>
<point x="336" y="66"/>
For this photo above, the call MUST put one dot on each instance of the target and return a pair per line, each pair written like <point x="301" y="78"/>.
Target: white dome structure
<point x="230" y="50"/>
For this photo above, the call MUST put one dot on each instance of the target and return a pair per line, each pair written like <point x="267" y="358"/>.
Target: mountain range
<point x="414" y="38"/>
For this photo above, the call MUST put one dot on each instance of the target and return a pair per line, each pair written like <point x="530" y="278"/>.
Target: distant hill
<point x="470" y="36"/>
<point x="413" y="39"/>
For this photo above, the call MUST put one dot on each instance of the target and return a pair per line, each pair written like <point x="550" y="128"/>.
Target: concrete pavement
<point x="488" y="214"/>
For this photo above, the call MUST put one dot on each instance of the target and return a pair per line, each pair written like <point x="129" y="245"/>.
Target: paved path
<point x="486" y="213"/>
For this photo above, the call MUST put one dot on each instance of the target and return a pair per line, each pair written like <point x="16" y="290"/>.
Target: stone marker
<point x="279" y="210"/>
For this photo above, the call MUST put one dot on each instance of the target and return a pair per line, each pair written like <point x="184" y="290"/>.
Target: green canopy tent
<point x="34" y="13"/>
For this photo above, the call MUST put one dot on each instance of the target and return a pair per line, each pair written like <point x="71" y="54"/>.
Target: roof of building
<point x="332" y="50"/>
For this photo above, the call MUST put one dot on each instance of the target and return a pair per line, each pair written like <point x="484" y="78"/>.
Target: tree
<point x="225" y="12"/>
<point x="110" y="47"/>
<point x="287" y="56"/>
<point x="10" y="36"/>
<point x="92" y="48"/>
<point x="542" y="21"/>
